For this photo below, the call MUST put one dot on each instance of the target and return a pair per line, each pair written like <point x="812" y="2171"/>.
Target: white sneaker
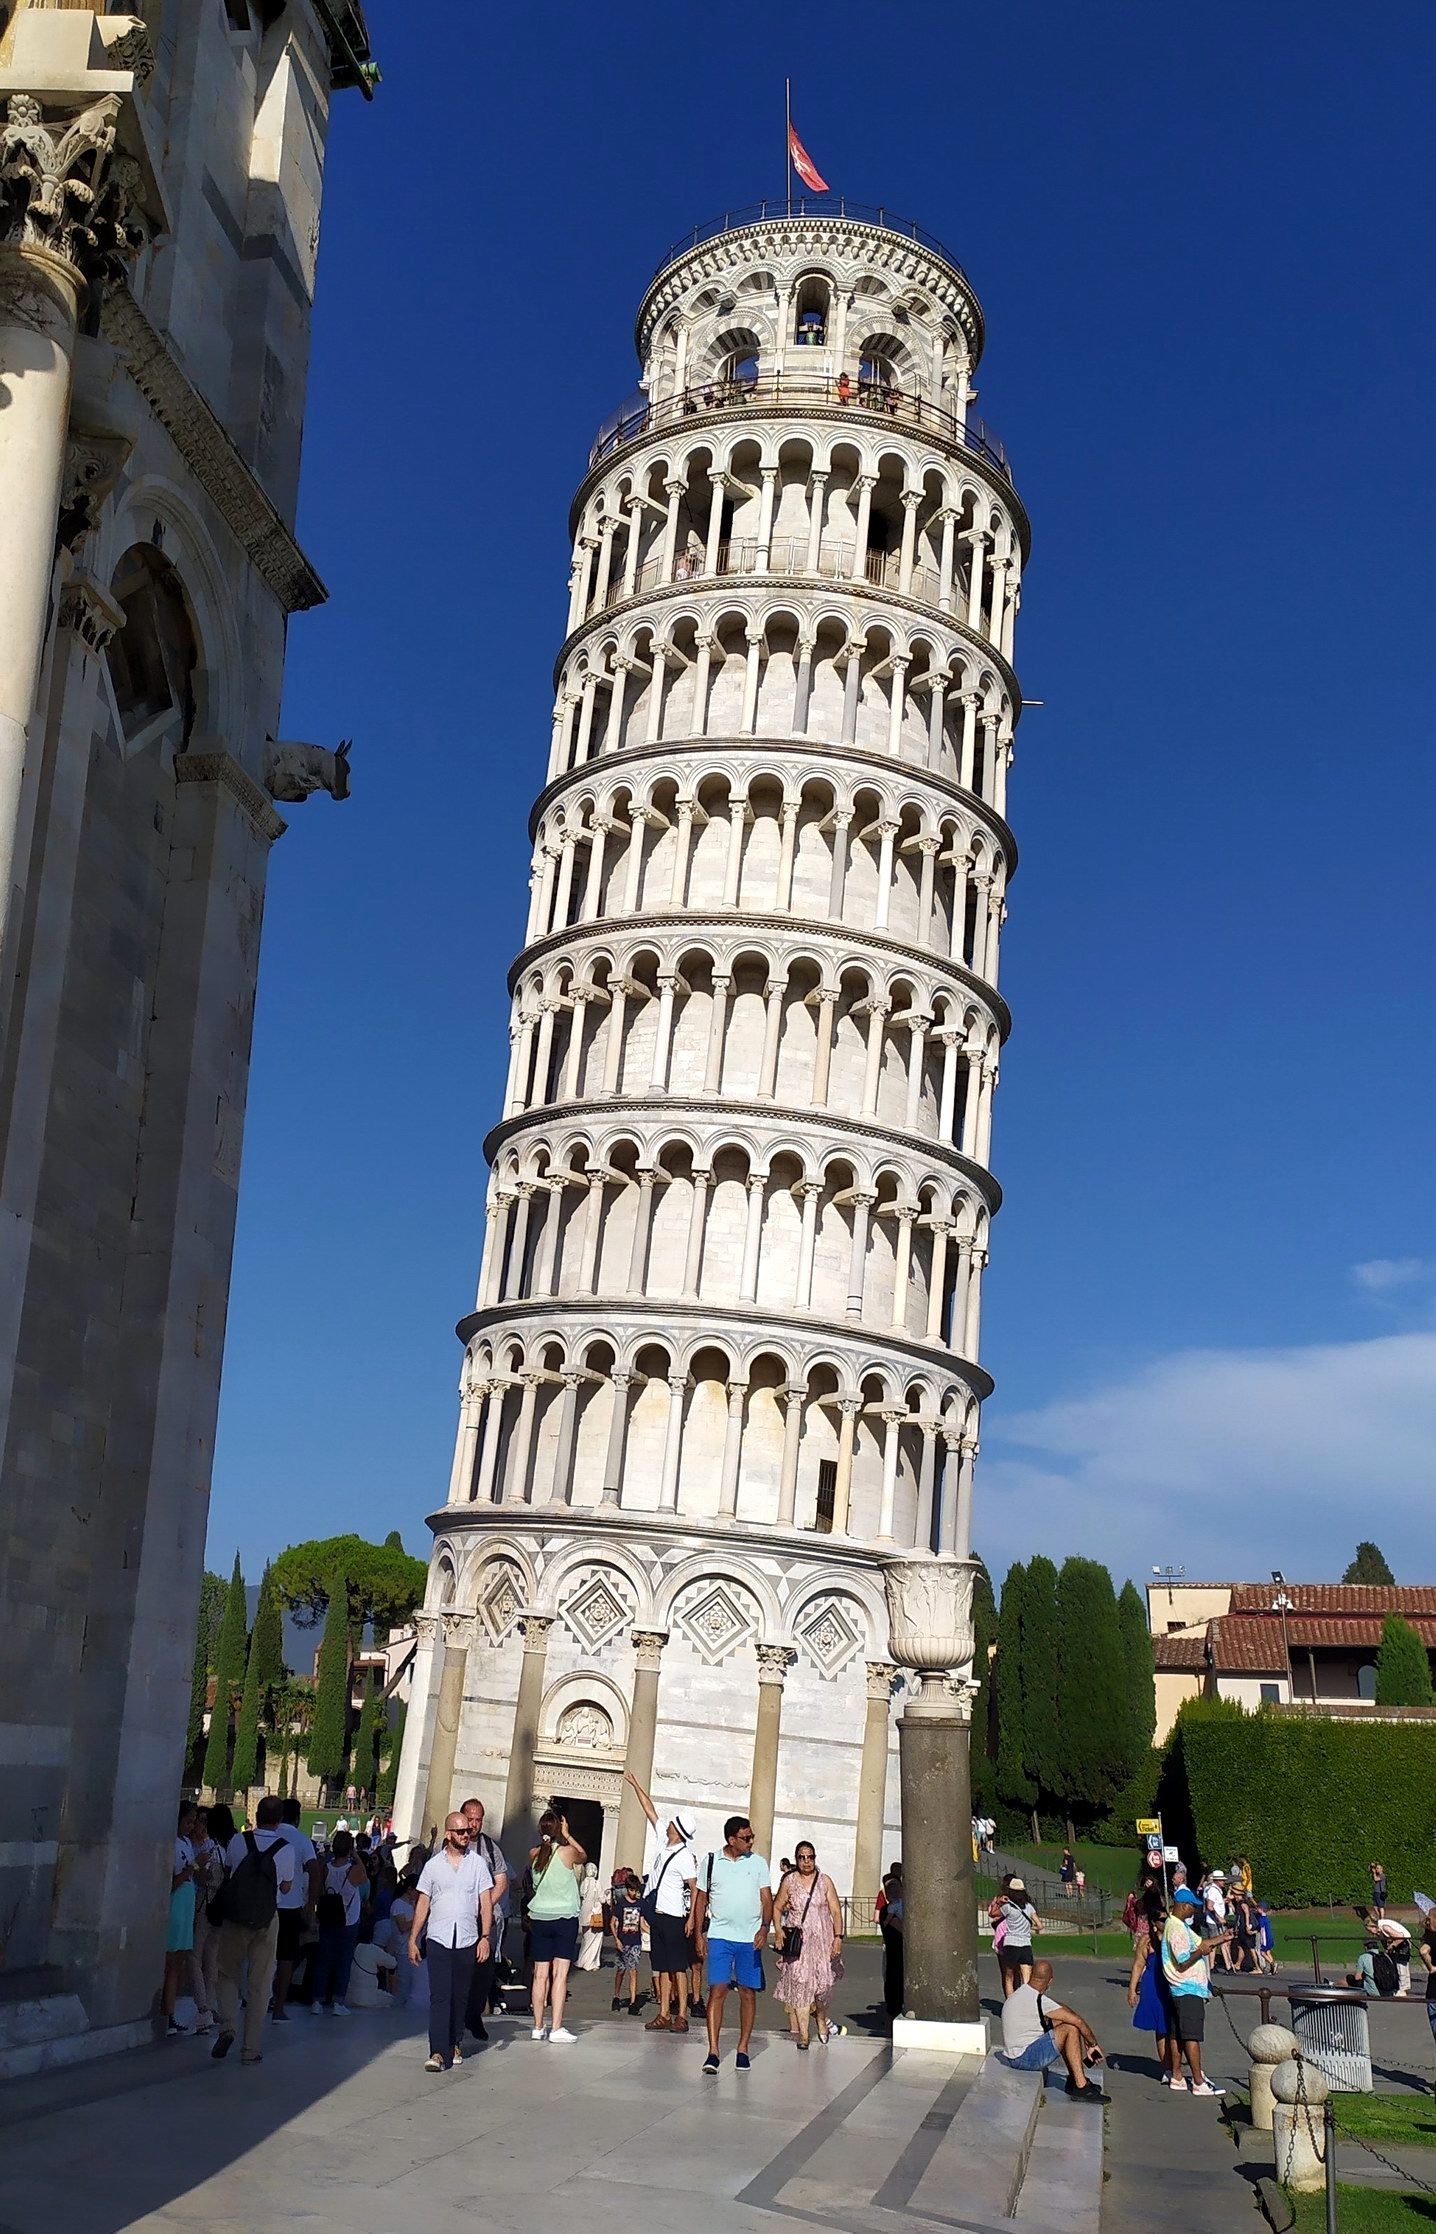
<point x="540" y="2032"/>
<point x="561" y="2032"/>
<point x="340" y="2009"/>
<point x="1206" y="2087"/>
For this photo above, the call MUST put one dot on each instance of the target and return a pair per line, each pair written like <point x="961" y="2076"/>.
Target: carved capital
<point x="774" y="1661"/>
<point x="223" y="769"/>
<point x="93" y="464"/>
<point x="460" y="1630"/>
<point x="648" y="1646"/>
<point x="66" y="189"/>
<point x="90" y="612"/>
<point x="536" y="1627"/>
<point x="427" y="1627"/>
<point x="880" y="1678"/>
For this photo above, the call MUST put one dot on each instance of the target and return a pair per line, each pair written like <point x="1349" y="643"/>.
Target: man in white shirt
<point x="260" y="1867"/>
<point x="456" y="1902"/>
<point x="670" y="1880"/>
<point x="1036" y="2031"/>
<point x="481" y="1991"/>
<point x="298" y="1905"/>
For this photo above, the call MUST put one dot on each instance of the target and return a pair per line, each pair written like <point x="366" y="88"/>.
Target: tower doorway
<point x="585" y="1821"/>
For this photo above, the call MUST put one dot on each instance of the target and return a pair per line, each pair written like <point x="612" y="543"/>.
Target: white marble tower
<point x="724" y="1354"/>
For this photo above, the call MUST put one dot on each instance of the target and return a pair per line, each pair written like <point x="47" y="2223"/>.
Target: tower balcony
<point x="786" y="556"/>
<point x="764" y="394"/>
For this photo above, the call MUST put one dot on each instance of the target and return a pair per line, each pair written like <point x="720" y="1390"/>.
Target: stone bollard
<point x="1268" y="2046"/>
<point x="1296" y="2125"/>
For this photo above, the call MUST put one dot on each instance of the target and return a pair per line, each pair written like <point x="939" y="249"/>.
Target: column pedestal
<point x="939" y="1896"/>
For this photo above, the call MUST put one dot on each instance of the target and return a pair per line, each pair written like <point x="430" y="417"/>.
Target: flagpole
<point x="788" y="139"/>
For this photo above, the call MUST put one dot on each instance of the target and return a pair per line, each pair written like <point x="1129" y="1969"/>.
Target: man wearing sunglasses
<point x="732" y="1917"/>
<point x="456" y="1901"/>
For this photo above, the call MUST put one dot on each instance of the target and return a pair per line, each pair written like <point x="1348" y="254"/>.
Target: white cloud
<point x="1228" y="1462"/>
<point x="1379" y="1275"/>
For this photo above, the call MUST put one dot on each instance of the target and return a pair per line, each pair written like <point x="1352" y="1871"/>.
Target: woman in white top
<point x="339" y="1904"/>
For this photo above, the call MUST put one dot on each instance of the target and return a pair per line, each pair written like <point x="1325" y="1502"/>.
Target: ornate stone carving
<point x="648" y="1646"/>
<point x="829" y="1634"/>
<point x="500" y="1598"/>
<point x="586" y="1725"/>
<point x="774" y="1661"/>
<point x="93" y="464"/>
<point x="458" y="1630"/>
<point x="880" y="1675"/>
<point x="536" y="1627"/>
<point x="210" y="455"/>
<point x="929" y="1613"/>
<point x="427" y="1627"/>
<point x="598" y="1610"/>
<point x="222" y="768"/>
<point x="131" y="50"/>
<point x="716" y="1619"/>
<point x="90" y="612"/>
<point x="293" y="771"/>
<point x="63" y="187"/>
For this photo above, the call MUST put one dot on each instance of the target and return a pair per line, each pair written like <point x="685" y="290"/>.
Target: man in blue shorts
<point x="1037" y="2031"/>
<point x="732" y="1917"/>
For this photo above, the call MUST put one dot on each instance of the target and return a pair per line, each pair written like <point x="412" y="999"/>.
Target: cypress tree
<point x="1141" y="1686"/>
<point x="1040" y="1680"/>
<point x="229" y="1657"/>
<point x="1369" y="1566"/>
<point x="984" y="1636"/>
<point x="391" y="1745"/>
<point x="329" y="1732"/>
<point x="1094" y="1705"/>
<point x="366" y="1737"/>
<point x="264" y="1669"/>
<point x="212" y="1592"/>
<point x="1015" y="1783"/>
<point x="1403" y="1669"/>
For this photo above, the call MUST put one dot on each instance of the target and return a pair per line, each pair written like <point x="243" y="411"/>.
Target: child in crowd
<point x="625" y="1929"/>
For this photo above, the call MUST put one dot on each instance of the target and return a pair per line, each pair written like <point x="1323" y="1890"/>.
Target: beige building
<point x="160" y="177"/>
<point x="1290" y="1644"/>
<point x="724" y="1353"/>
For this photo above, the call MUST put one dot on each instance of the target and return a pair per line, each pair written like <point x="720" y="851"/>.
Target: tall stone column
<point x="872" y="1785"/>
<point x="930" y="1624"/>
<point x="411" y="1788"/>
<point x="66" y="197"/>
<point x="519" y="1788"/>
<point x="642" y="1729"/>
<point x="774" y="1661"/>
<point x="459" y="1632"/>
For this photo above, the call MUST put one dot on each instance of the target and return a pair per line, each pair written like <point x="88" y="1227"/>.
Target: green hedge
<point x="1310" y="1803"/>
<point x="1136" y="1801"/>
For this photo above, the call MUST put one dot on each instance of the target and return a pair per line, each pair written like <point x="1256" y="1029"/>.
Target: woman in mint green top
<point x="552" y="1911"/>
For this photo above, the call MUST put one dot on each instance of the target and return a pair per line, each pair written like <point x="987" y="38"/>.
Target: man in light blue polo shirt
<point x="732" y="1917"/>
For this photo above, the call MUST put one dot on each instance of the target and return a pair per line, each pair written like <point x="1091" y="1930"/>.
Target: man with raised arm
<point x="670" y="1878"/>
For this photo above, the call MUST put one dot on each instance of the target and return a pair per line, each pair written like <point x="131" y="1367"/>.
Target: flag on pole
<point x="804" y="165"/>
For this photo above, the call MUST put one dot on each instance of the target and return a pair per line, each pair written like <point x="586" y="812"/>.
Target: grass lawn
<point x="1112" y="1868"/>
<point x="1366" y="2210"/>
<point x="1408" y="2118"/>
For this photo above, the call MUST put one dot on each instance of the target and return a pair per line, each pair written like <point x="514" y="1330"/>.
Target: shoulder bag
<point x="792" y="1946"/>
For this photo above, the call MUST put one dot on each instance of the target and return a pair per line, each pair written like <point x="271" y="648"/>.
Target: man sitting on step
<point x="1037" y="2031"/>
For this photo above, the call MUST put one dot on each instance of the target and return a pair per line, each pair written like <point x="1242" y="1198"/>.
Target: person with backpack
<point x="732" y="1918"/>
<point x="259" y="1865"/>
<point x="1376" y="1972"/>
<point x="670" y="1880"/>
<point x="345" y="1882"/>
<point x="483" y="1993"/>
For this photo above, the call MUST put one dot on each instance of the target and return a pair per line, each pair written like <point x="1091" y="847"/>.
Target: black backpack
<point x="249" y="1895"/>
<point x="1385" y="1972"/>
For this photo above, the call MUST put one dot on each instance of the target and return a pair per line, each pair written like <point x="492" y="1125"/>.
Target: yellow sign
<point x="1149" y="1823"/>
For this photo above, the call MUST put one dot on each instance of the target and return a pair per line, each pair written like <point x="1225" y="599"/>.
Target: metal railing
<point x="793" y="391"/>
<point x="830" y="205"/>
<point x="786" y="555"/>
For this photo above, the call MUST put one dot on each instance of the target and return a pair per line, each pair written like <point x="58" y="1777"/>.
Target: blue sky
<point x="1202" y="243"/>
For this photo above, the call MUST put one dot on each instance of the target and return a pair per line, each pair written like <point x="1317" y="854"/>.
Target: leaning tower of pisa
<point x="724" y="1354"/>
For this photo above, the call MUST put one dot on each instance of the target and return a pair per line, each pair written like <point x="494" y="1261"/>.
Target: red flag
<point x="804" y="165"/>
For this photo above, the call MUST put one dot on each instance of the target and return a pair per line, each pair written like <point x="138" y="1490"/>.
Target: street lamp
<point x="1169" y="1575"/>
<point x="1284" y="1605"/>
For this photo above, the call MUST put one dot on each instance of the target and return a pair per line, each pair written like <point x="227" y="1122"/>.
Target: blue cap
<point x="1184" y="1894"/>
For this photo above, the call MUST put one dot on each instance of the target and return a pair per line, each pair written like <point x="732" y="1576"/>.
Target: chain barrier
<point x="1411" y="2179"/>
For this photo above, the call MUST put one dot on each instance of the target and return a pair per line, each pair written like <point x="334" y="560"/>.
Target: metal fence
<point x="831" y="205"/>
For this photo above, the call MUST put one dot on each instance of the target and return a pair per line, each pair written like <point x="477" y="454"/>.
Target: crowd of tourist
<point x="267" y="1919"/>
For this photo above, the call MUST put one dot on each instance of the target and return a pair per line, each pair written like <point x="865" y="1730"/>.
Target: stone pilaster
<point x="519" y="1787"/>
<point x="642" y="1728"/>
<point x="774" y="1661"/>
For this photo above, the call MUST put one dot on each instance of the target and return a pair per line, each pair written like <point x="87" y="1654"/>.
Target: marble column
<point x="617" y="1429"/>
<point x="848" y="1410"/>
<point x="519" y="1787"/>
<point x="459" y="1634"/>
<point x="774" y="1661"/>
<point x="642" y="1729"/>
<point x="732" y="1451"/>
<point x="411" y="1787"/>
<point x="872" y="1791"/>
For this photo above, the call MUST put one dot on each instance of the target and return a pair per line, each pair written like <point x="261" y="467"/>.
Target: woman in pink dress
<point x="806" y="1902"/>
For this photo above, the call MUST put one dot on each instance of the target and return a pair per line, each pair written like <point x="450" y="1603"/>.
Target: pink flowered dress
<point x="813" y="1976"/>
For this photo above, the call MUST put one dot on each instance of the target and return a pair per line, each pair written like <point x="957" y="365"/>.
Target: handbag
<point x="648" y="1902"/>
<point x="792" y="1945"/>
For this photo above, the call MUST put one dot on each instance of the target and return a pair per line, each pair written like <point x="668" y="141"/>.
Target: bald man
<point x="1037" y="2031"/>
<point x="456" y="1902"/>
